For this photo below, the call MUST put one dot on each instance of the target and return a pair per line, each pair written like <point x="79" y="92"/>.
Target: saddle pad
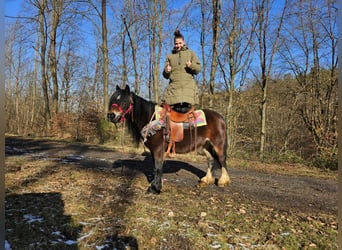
<point x="200" y="116"/>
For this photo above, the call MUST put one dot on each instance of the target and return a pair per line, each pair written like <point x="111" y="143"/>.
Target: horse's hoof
<point x="202" y="184"/>
<point x="205" y="181"/>
<point x="222" y="184"/>
<point x="152" y="190"/>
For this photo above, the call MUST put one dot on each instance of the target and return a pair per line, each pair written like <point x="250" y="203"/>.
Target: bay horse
<point x="137" y="112"/>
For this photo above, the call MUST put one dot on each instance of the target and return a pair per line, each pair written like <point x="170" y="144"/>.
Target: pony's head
<point x="120" y="105"/>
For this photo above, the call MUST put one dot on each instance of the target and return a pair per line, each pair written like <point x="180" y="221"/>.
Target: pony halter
<point x="123" y="113"/>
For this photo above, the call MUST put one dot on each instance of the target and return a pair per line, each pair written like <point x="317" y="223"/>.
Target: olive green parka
<point x="182" y="85"/>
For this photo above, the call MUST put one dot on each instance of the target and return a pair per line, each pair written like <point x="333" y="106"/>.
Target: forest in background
<point x="269" y="67"/>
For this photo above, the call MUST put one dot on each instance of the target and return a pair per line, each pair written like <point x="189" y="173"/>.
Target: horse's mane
<point x="142" y="112"/>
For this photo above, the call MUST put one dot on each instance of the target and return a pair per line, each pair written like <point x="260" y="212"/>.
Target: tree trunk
<point x="94" y="87"/>
<point x="44" y="81"/>
<point x="204" y="65"/>
<point x="124" y="61"/>
<point x="34" y="91"/>
<point x="266" y="63"/>
<point x="157" y="13"/>
<point x="230" y="118"/>
<point x="57" y="7"/>
<point x="17" y="92"/>
<point x="263" y="119"/>
<point x="216" y="32"/>
<point x="134" y="50"/>
<point x="231" y="127"/>
<point x="131" y="36"/>
<point x="105" y="57"/>
<point x="160" y="24"/>
<point x="153" y="11"/>
<point x="67" y="79"/>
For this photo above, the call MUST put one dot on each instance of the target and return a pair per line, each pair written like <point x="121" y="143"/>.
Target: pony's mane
<point x="142" y="112"/>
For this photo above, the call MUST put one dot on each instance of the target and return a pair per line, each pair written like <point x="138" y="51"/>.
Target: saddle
<point x="174" y="126"/>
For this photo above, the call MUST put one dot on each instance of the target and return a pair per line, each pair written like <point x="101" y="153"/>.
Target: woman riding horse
<point x="138" y="113"/>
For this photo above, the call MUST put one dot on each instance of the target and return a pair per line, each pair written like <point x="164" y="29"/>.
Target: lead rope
<point x="195" y="133"/>
<point x="192" y="119"/>
<point x="190" y="130"/>
<point x="123" y="134"/>
<point x="130" y="109"/>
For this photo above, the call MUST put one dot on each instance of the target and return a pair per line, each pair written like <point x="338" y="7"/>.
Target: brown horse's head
<point x="120" y="104"/>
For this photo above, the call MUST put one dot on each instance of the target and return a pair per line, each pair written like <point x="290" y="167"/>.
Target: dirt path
<point x="298" y="193"/>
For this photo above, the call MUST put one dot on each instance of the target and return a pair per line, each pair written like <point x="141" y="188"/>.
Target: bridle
<point x="123" y="113"/>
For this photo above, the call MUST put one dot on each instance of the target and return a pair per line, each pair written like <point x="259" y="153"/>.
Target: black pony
<point x="125" y="105"/>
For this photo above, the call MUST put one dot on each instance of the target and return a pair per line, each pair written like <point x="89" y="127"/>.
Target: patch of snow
<point x="96" y="218"/>
<point x="7" y="245"/>
<point x="31" y="218"/>
<point x="211" y="235"/>
<point x="39" y="155"/>
<point x="85" y="236"/>
<point x="285" y="234"/>
<point x="14" y="150"/>
<point x="74" y="157"/>
<point x="165" y="224"/>
<point x="70" y="242"/>
<point x="85" y="223"/>
<point x="230" y="246"/>
<point x="101" y="247"/>
<point x="58" y="233"/>
<point x="215" y="245"/>
<point x="243" y="246"/>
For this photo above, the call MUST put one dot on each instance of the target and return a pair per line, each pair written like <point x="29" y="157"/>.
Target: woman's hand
<point x="168" y="67"/>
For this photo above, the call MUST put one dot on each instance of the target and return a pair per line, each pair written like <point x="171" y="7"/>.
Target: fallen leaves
<point x="104" y="203"/>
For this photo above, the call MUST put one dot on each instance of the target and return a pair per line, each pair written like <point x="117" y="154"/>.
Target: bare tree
<point x="56" y="12"/>
<point x="132" y="40"/>
<point x="21" y="108"/>
<point x="262" y="8"/>
<point x="17" y="88"/>
<point x="43" y="41"/>
<point x="66" y="79"/>
<point x="10" y="41"/>
<point x="156" y="15"/>
<point x="313" y="33"/>
<point x="34" y="80"/>
<point x="216" y="31"/>
<point x="133" y="49"/>
<point x="105" y="55"/>
<point x="102" y="14"/>
<point x="95" y="85"/>
<point x="204" y="7"/>
<point x="236" y="54"/>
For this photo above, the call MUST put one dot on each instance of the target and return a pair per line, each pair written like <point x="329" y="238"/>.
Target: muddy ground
<point x="303" y="193"/>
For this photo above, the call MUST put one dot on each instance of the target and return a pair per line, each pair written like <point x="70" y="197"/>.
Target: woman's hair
<point x="178" y="34"/>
